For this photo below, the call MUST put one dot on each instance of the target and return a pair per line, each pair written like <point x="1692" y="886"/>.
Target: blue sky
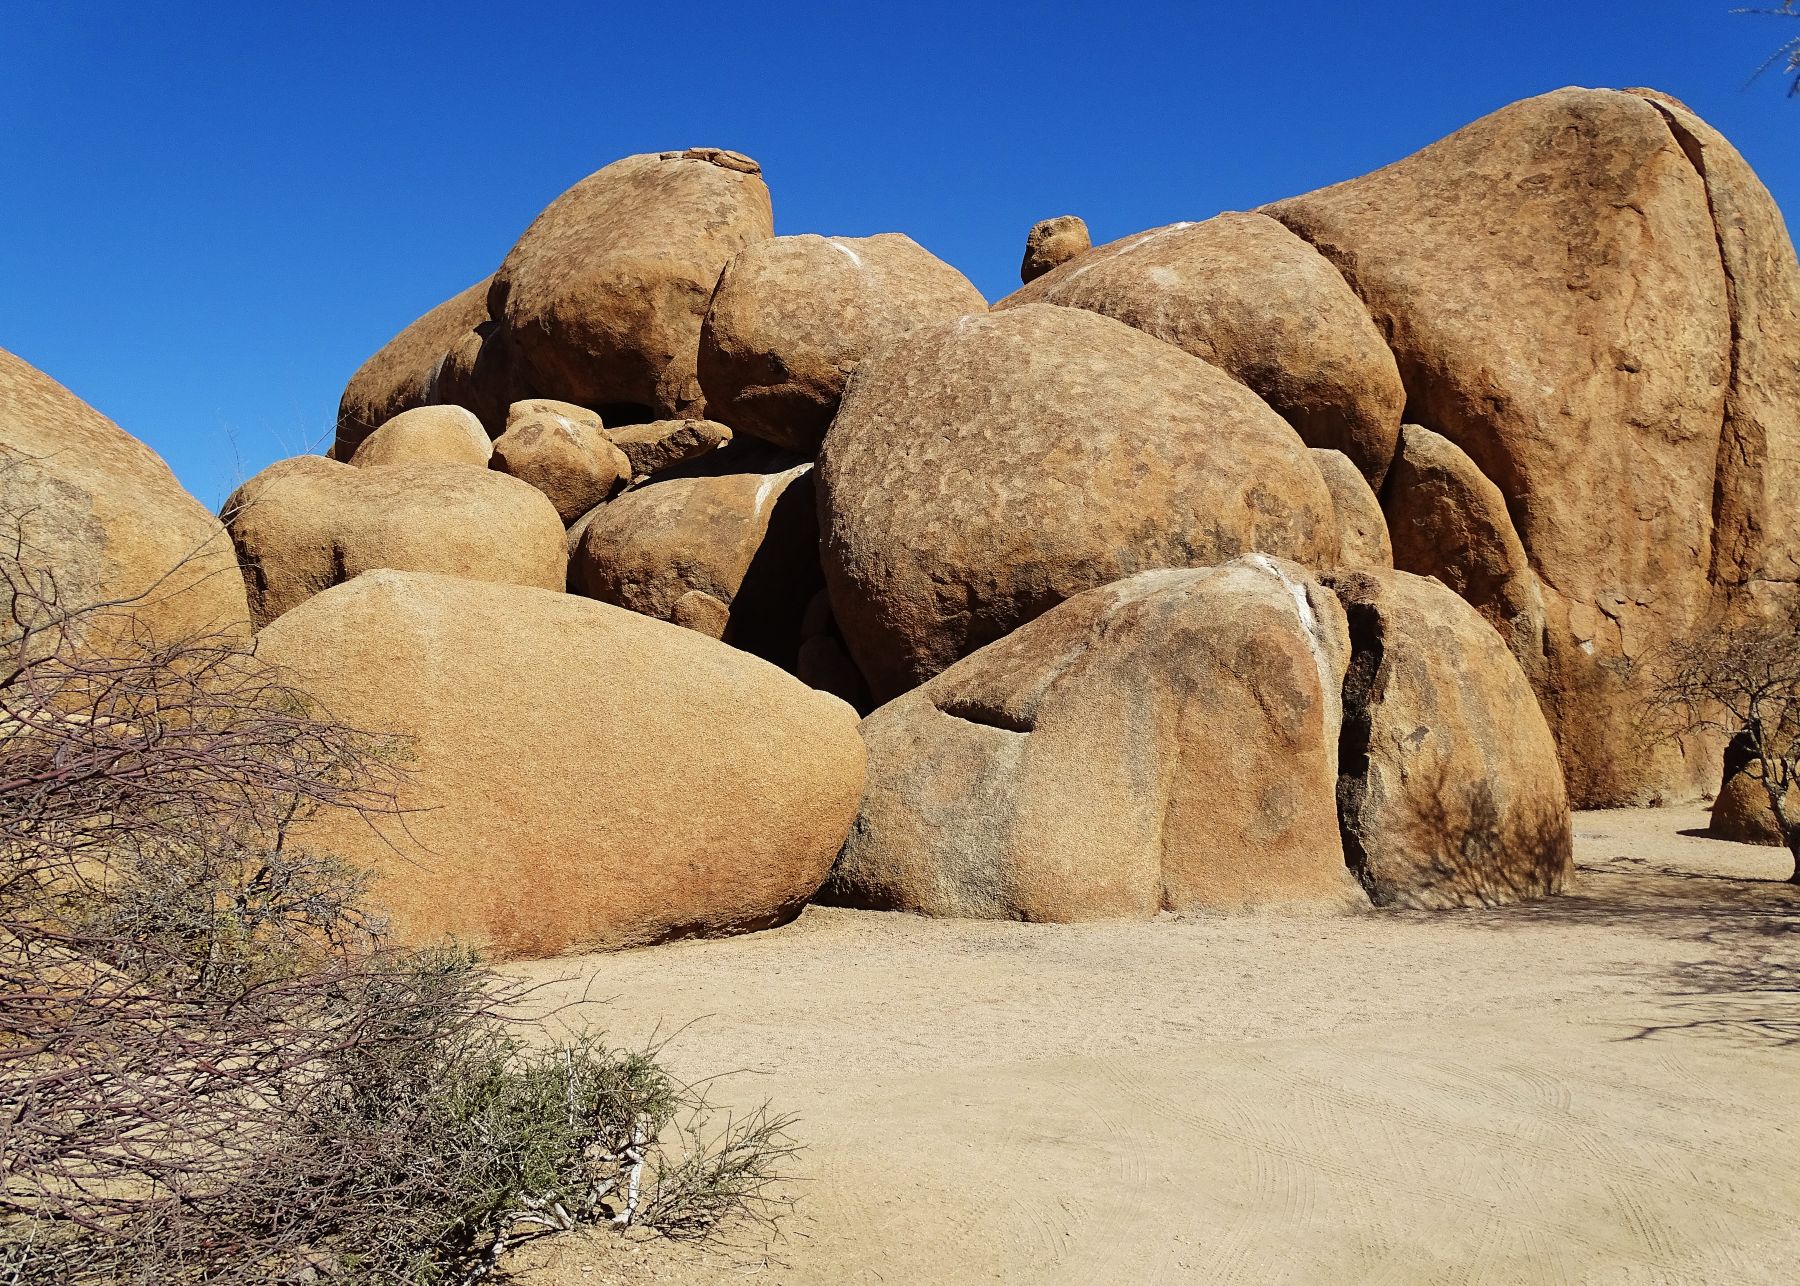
<point x="213" y="213"/>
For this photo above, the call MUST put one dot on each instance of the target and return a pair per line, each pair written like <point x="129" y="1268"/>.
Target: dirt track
<point x="1598" y="1088"/>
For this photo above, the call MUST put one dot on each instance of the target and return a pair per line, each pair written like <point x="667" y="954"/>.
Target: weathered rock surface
<point x="101" y="514"/>
<point x="824" y="662"/>
<point x="580" y="777"/>
<point x="427" y="435"/>
<point x="983" y="470"/>
<point x="1244" y="293"/>
<point x="1166" y="742"/>
<point x="1052" y="242"/>
<point x="727" y="546"/>
<point x="603" y="295"/>
<point x="1450" y="792"/>
<point x="1741" y="812"/>
<point x="660" y="445"/>
<point x="1446" y="520"/>
<point x="1362" y="528"/>
<point x="571" y="461"/>
<point x="306" y="524"/>
<point x="532" y="408"/>
<point x="1550" y="281"/>
<point x="792" y="318"/>
<point x="410" y="369"/>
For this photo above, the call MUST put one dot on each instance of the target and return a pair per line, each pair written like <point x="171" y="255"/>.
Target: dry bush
<point x="1741" y="678"/>
<point x="213" y="1068"/>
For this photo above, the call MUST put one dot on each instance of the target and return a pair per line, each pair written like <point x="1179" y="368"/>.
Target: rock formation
<point x="306" y="524"/>
<point x="662" y="444"/>
<point x="1590" y="295"/>
<point x="1361" y="526"/>
<point x="1166" y="742"/>
<point x="792" y="318"/>
<point x="571" y="461"/>
<point x="1449" y="790"/>
<point x="99" y="512"/>
<point x="727" y="546"/>
<point x="1245" y="294"/>
<point x="578" y="777"/>
<point x="1052" y="242"/>
<point x="1050" y="450"/>
<point x="427" y="435"/>
<point x="603" y="295"/>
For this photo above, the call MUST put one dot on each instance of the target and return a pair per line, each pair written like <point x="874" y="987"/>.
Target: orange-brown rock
<point x="1165" y="742"/>
<point x="1550" y="281"/>
<point x="1244" y="293"/>
<point x="1741" y="812"/>
<point x="983" y="470"/>
<point x="1446" y="520"/>
<point x="727" y="546"/>
<point x="1052" y="242"/>
<point x="579" y="777"/>
<point x="792" y="318"/>
<point x="306" y="524"/>
<point x="660" y="445"/>
<point x="1362" y="529"/>
<point x="603" y="295"/>
<point x="409" y="370"/>
<point x="1450" y="792"/>
<point x="532" y="408"/>
<point x="100" y="513"/>
<point x="427" y="435"/>
<point x="572" y="462"/>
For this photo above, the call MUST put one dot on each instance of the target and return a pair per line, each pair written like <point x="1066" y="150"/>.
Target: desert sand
<point x="1597" y="1088"/>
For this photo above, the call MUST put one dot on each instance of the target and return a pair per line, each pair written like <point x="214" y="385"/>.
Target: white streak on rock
<point x="844" y="250"/>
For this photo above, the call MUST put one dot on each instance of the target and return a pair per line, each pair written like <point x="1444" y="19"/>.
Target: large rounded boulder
<point x="306" y="524"/>
<point x="570" y="460"/>
<point x="99" y="511"/>
<point x="981" y="471"/>
<point x="428" y="435"/>
<point x="577" y="777"/>
<point x="727" y="546"/>
<point x="1591" y="296"/>
<point x="1247" y="295"/>
<point x="603" y="296"/>
<point x="1450" y="792"/>
<point x="1166" y="742"/>
<point x="792" y="317"/>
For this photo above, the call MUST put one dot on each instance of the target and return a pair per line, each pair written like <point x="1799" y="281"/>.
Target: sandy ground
<point x="1597" y="1088"/>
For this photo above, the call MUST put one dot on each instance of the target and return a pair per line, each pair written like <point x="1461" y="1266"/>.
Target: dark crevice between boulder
<point x="1368" y="653"/>
<point x="1729" y="445"/>
<point x="616" y="415"/>
<point x="971" y="710"/>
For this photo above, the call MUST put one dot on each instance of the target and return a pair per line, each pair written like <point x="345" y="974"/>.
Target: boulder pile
<point x="1310" y="557"/>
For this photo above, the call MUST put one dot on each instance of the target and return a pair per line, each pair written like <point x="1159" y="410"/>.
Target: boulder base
<point x="580" y="777"/>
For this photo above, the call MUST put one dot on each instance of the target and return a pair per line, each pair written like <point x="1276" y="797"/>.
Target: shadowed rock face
<point x="1589" y="295"/>
<point x="306" y="524"/>
<point x="1051" y="243"/>
<point x="1449" y="792"/>
<point x="1243" y="293"/>
<point x="579" y="777"/>
<point x="727" y="545"/>
<point x="603" y="296"/>
<point x="430" y="362"/>
<point x="792" y="318"/>
<point x="99" y="511"/>
<point x="1447" y="520"/>
<point x="980" y="472"/>
<point x="1167" y="742"/>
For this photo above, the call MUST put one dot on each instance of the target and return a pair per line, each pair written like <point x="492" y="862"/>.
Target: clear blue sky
<point x="212" y="213"/>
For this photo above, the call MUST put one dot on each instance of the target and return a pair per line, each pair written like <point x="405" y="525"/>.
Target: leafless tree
<point x="1742" y="678"/>
<point x="213" y="1066"/>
